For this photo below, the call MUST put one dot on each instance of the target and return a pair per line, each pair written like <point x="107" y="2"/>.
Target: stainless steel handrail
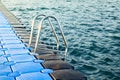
<point x="57" y="40"/>
<point x="32" y="28"/>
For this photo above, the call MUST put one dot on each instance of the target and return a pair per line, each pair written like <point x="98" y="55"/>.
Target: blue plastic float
<point x="16" y="63"/>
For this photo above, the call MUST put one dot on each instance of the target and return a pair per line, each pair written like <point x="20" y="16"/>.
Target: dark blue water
<point x="92" y="29"/>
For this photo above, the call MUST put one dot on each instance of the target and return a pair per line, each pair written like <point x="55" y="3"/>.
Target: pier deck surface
<point x="16" y="63"/>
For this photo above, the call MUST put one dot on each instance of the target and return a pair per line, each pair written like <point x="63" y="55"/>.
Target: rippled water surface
<point x="92" y="29"/>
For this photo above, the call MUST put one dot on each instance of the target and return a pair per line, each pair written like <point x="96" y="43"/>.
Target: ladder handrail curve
<point x="32" y="27"/>
<point x="57" y="40"/>
<point x="59" y="27"/>
<point x="38" y="34"/>
<point x="39" y="30"/>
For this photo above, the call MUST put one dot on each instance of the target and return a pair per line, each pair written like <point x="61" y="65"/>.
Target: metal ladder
<point x="40" y="25"/>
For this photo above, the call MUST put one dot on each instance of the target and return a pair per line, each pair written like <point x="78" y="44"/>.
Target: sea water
<point x="91" y="27"/>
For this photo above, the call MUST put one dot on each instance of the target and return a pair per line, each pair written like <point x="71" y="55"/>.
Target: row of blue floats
<point x="16" y="63"/>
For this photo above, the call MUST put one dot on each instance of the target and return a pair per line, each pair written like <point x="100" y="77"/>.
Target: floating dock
<point x="16" y="61"/>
